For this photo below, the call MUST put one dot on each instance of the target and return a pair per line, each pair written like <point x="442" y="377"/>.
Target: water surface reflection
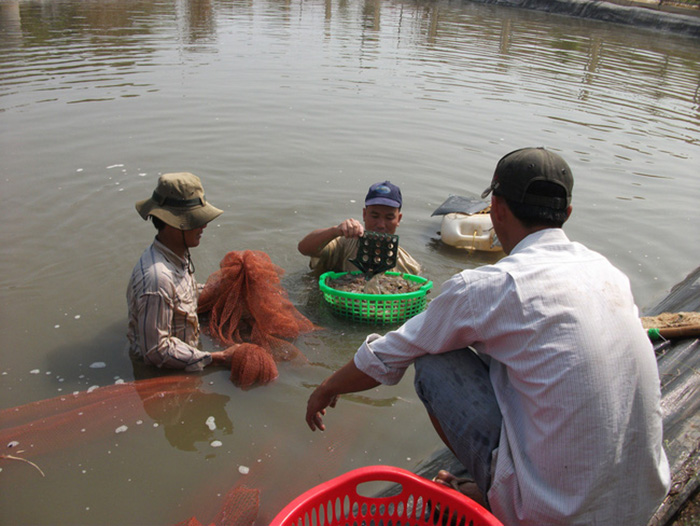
<point x="289" y="110"/>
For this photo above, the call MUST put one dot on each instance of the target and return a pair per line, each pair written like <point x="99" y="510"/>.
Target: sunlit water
<point x="289" y="111"/>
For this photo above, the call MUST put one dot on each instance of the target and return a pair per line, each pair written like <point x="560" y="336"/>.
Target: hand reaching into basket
<point x="348" y="379"/>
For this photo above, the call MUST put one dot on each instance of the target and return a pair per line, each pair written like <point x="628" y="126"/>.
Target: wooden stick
<point x="674" y="333"/>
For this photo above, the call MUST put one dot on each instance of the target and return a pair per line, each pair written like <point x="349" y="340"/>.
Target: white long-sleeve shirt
<point x="162" y="298"/>
<point x="574" y="374"/>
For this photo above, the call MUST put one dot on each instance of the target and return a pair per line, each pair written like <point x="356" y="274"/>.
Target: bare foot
<point x="465" y="486"/>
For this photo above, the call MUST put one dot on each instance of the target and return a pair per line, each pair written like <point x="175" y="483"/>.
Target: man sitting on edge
<point x="535" y="371"/>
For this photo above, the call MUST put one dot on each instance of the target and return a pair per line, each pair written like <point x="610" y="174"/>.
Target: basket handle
<point x="351" y="480"/>
<point x="382" y="473"/>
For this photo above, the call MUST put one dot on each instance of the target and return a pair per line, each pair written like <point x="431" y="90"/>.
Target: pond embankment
<point x="659" y="16"/>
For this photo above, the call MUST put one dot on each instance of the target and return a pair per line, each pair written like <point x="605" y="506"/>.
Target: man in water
<point x="162" y="293"/>
<point x="331" y="248"/>
<point x="535" y="371"/>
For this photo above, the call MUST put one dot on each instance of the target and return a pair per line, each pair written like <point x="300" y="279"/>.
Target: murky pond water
<point x="289" y="110"/>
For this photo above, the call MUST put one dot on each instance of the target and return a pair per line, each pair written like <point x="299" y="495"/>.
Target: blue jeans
<point x="456" y="390"/>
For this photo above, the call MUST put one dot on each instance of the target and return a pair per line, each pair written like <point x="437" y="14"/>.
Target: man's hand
<point x="351" y="228"/>
<point x="348" y="379"/>
<point x="316" y="407"/>
<point x="314" y="242"/>
<point x="224" y="357"/>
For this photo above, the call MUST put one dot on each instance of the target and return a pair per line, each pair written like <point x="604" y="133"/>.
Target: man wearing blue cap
<point x="331" y="248"/>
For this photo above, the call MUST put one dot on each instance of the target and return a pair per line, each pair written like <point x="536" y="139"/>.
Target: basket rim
<point x="411" y="483"/>
<point x="425" y="287"/>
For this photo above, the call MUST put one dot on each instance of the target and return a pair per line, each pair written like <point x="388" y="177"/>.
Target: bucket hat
<point x="385" y="193"/>
<point x="516" y="171"/>
<point x="179" y="201"/>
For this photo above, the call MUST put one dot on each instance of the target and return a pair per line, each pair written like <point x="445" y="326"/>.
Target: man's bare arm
<point x="313" y="243"/>
<point x="348" y="379"/>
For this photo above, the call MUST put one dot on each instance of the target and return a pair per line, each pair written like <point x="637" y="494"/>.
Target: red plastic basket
<point x="420" y="502"/>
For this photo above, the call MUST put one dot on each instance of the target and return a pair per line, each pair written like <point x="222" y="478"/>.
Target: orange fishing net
<point x="71" y="420"/>
<point x="282" y="474"/>
<point x="240" y="508"/>
<point x="252" y="364"/>
<point x="245" y="303"/>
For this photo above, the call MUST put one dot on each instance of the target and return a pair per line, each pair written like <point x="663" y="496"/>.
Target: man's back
<point x="577" y="383"/>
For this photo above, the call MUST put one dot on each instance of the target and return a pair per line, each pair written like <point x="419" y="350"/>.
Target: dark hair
<point x="532" y="215"/>
<point x="158" y="223"/>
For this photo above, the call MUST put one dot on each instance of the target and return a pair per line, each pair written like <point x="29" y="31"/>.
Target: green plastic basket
<point x="376" y="308"/>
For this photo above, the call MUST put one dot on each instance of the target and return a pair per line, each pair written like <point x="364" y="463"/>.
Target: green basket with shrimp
<point x="381" y="309"/>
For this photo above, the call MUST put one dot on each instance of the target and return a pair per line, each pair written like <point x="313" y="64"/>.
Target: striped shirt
<point x="162" y="298"/>
<point x="574" y="375"/>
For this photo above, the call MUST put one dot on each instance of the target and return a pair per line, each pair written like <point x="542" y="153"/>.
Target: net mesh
<point x="67" y="421"/>
<point x="240" y="508"/>
<point x="244" y="302"/>
<point x="251" y="364"/>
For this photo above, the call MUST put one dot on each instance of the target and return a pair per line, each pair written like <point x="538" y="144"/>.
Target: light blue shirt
<point x="574" y="374"/>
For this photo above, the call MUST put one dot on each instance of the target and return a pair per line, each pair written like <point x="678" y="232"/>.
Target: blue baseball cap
<point x="385" y="193"/>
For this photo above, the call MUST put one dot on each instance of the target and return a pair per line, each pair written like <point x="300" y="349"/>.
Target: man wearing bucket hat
<point x="332" y="248"/>
<point x="162" y="293"/>
<point x="535" y="371"/>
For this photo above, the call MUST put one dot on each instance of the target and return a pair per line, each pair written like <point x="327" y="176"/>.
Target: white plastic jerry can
<point x="474" y="232"/>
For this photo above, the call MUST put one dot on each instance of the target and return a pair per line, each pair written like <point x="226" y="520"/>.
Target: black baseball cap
<point x="516" y="171"/>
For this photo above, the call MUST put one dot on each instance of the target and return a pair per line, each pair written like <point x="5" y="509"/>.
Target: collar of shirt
<point x="548" y="235"/>
<point x="171" y="256"/>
